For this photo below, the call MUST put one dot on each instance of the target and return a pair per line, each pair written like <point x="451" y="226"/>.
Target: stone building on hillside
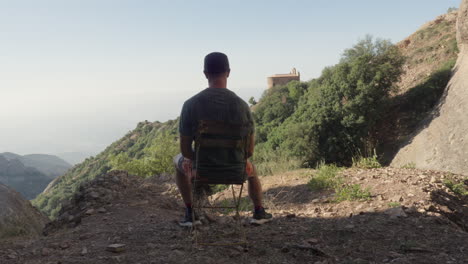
<point x="282" y="79"/>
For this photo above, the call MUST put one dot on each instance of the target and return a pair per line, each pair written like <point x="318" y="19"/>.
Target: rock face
<point x="442" y="141"/>
<point x="17" y="215"/>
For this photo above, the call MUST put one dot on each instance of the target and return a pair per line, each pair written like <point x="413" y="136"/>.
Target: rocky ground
<point x="411" y="217"/>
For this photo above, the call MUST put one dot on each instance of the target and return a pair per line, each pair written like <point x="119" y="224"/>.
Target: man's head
<point x="216" y="66"/>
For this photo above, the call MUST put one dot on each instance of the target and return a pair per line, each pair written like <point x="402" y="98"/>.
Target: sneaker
<point x="261" y="217"/>
<point x="188" y="221"/>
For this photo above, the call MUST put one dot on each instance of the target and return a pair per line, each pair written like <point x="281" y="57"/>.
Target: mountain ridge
<point x="51" y="165"/>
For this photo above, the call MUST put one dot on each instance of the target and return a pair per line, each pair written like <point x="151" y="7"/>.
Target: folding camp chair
<point x="220" y="158"/>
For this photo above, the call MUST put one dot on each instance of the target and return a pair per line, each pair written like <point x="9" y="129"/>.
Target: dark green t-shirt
<point x="216" y="104"/>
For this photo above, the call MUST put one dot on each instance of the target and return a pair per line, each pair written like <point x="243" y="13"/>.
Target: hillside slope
<point x="18" y="216"/>
<point x="411" y="217"/>
<point x="442" y="139"/>
<point x="430" y="47"/>
<point x="133" y="143"/>
<point x="26" y="180"/>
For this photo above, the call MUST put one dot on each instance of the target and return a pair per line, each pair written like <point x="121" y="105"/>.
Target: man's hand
<point x="187" y="167"/>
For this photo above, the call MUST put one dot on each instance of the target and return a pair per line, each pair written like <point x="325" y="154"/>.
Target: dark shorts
<point x="179" y="159"/>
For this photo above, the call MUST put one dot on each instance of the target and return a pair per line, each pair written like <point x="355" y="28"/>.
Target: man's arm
<point x="186" y="147"/>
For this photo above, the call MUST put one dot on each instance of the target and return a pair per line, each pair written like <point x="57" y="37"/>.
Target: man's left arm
<point x="186" y="131"/>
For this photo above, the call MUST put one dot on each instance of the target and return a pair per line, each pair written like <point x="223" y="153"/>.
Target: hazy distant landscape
<point x="30" y="174"/>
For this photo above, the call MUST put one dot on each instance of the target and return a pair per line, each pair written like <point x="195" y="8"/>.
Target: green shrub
<point x="325" y="178"/>
<point x="457" y="188"/>
<point x="366" y="162"/>
<point x="268" y="162"/>
<point x="351" y="192"/>
<point x="157" y="158"/>
<point x="394" y="204"/>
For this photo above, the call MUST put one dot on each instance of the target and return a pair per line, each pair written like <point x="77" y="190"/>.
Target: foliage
<point x="366" y="162"/>
<point x="451" y="9"/>
<point x="327" y="178"/>
<point x="269" y="162"/>
<point x="394" y="204"/>
<point x="252" y="101"/>
<point x="351" y="192"/>
<point x="337" y="113"/>
<point x="157" y="157"/>
<point x="457" y="188"/>
<point x="275" y="105"/>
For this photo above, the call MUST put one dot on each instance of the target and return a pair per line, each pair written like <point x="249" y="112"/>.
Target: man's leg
<point x="255" y="188"/>
<point x="256" y="194"/>
<point x="182" y="180"/>
<point x="185" y="187"/>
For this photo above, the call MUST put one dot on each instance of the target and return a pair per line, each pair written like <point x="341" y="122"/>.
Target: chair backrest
<point x="221" y="152"/>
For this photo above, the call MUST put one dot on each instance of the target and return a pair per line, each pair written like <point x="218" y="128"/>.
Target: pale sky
<point x="78" y="75"/>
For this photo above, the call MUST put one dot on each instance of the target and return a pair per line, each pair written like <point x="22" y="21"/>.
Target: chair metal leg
<point x="237" y="202"/>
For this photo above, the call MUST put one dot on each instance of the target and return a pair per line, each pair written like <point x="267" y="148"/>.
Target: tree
<point x="335" y="118"/>
<point x="252" y="101"/>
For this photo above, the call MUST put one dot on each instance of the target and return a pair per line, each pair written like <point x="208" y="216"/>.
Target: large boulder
<point x="441" y="143"/>
<point x="17" y="216"/>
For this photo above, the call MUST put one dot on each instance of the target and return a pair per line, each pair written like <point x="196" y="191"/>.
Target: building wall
<point x="280" y="80"/>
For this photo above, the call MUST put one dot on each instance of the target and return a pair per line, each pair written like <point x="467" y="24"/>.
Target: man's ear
<point x="228" y="72"/>
<point x="206" y="75"/>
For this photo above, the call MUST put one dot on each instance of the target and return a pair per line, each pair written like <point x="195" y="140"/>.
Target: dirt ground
<point x="410" y="218"/>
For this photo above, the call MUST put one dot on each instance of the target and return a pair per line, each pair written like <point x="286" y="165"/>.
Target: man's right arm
<point x="186" y="147"/>
<point x="186" y="131"/>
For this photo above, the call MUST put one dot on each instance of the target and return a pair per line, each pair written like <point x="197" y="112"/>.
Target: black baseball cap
<point x="216" y="62"/>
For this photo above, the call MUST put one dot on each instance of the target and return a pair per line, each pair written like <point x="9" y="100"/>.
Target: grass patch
<point x="270" y="163"/>
<point x="327" y="178"/>
<point x="394" y="204"/>
<point x="351" y="193"/>
<point x="457" y="188"/>
<point x="366" y="162"/>
<point x="410" y="165"/>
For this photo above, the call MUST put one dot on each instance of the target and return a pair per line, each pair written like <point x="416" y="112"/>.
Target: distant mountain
<point x="26" y="180"/>
<point x="74" y="157"/>
<point x="50" y="165"/>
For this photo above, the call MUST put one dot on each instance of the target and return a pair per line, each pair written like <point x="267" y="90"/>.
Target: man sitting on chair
<point x="215" y="103"/>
